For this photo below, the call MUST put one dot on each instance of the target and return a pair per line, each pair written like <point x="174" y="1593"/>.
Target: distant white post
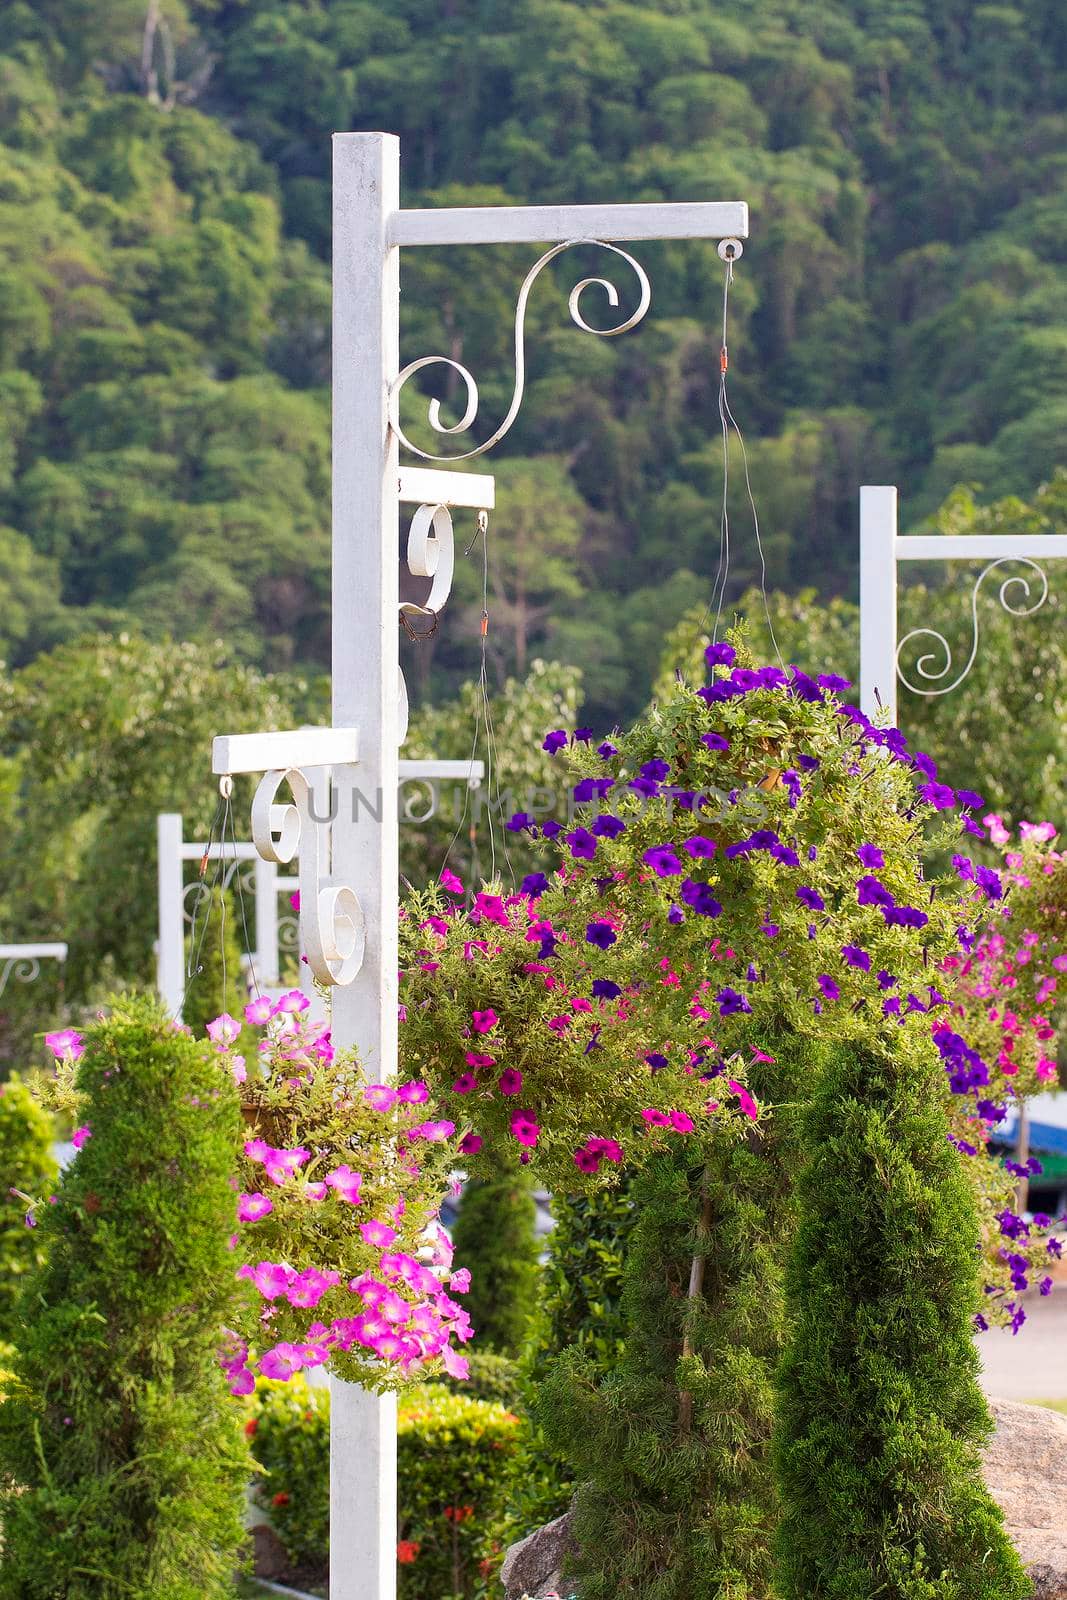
<point x="878" y="599"/>
<point x="170" y="938"/>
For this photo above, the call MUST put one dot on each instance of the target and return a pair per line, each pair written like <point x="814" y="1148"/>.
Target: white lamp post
<point x="348" y="866"/>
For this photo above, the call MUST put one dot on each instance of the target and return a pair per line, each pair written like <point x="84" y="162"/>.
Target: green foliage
<point x="164" y="227"/>
<point x="122" y="1455"/>
<point x="494" y="1239"/>
<point x="455" y="1464"/>
<point x="490" y="1377"/>
<point x="881" y="1419"/>
<point x="27" y="1174"/>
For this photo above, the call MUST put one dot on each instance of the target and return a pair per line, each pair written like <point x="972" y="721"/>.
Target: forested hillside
<point x="900" y="312"/>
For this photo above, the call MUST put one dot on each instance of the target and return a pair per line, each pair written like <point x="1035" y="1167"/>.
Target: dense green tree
<point x="29" y="1173"/>
<point x="494" y="1238"/>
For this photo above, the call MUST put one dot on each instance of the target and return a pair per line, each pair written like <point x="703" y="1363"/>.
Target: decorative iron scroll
<point x="24" y="969"/>
<point x="925" y="664"/>
<point x="471" y="409"/>
<point x="332" y="925"/>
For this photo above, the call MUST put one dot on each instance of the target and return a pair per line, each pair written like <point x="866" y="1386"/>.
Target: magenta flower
<point x="291" y="1003"/>
<point x="259" y="1011"/>
<point x="270" y="1278"/>
<point x="252" y="1207"/>
<point x="748" y="1105"/>
<point x="465" y="1083"/>
<point x="460" y="1281"/>
<point x="681" y="1123"/>
<point x="379" y="1096"/>
<point x="379" y="1234"/>
<point x="456" y="1366"/>
<point x="81" y="1136"/>
<point x="65" y="1042"/>
<point x="281" y="1362"/>
<point x="449" y="881"/>
<point x="473" y="1059"/>
<point x="413" y="1093"/>
<point x="656" y="1119"/>
<point x="525" y="1128"/>
<point x="484" y="1021"/>
<point x="223" y="1031"/>
<point x="434" y="1132"/>
<point x="510" y="1081"/>
<point x="345" y="1183"/>
<point x="470" y="1144"/>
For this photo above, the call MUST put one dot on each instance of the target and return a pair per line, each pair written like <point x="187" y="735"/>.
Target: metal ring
<point x="731" y="249"/>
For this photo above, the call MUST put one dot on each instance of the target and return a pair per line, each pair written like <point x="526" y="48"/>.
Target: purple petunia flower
<point x="720" y="655"/>
<point x="534" y="884"/>
<point x="828" y="987"/>
<point x="608" y="827"/>
<point x="602" y="934"/>
<point x="715" y="741"/>
<point x="520" y="822"/>
<point x="886" y="979"/>
<point x="591" y="789"/>
<point x="904" y="917"/>
<point x="699" y="848"/>
<point x="582" y="844"/>
<point x="730" y="1002"/>
<point x="785" y="854"/>
<point x="746" y="679"/>
<point x="676" y="915"/>
<point x="831" y="680"/>
<point x="856" y="957"/>
<point x="583" y="735"/>
<point x="870" y="857"/>
<point x="551" y="829"/>
<point x="924" y="764"/>
<point x="663" y="861"/>
<point x="989" y="882"/>
<point x="869" y="892"/>
<point x="811" y="898"/>
<point x="938" y="795"/>
<point x="554" y="741"/>
<point x="655" y="770"/>
<point x="700" y="898"/>
<point x="604" y="989"/>
<point x="968" y="797"/>
<point x="805" y="688"/>
<point x="606" y="750"/>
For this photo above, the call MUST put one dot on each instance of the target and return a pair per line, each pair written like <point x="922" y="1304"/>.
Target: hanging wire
<point x="730" y="249"/>
<point x="227" y="821"/>
<point x="222" y="824"/>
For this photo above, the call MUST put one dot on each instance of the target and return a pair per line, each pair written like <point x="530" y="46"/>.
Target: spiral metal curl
<point x="925" y="664"/>
<point x="24" y="969"/>
<point x="471" y="387"/>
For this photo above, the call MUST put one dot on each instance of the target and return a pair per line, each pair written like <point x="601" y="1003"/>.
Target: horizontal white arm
<point x="33" y="952"/>
<point x="472" y="772"/>
<point x="714" y="219"/>
<point x="273" y="752"/>
<point x="981" y="546"/>
<point x="423" y="486"/>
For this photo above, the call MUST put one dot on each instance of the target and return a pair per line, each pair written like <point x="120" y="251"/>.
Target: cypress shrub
<point x="122" y="1457"/>
<point x="671" y="1444"/>
<point x="26" y="1165"/>
<point x="881" y="1420"/>
<point x="495" y="1238"/>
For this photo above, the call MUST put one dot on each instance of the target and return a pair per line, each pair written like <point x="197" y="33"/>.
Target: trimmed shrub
<point x="881" y="1420"/>
<point x="670" y="1445"/>
<point x="495" y="1238"/>
<point x="121" y="1453"/>
<point x="455" y="1459"/>
<point x="26" y="1164"/>
<point x="489" y="1377"/>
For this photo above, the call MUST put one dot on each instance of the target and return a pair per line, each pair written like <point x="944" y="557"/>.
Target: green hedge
<point x="25" y="1163"/>
<point x="455" y="1459"/>
<point x="495" y="1238"/>
<point x="122" y="1465"/>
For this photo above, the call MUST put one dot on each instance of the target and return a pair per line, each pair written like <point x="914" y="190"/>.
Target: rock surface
<point x="1025" y="1468"/>
<point x="534" y="1566"/>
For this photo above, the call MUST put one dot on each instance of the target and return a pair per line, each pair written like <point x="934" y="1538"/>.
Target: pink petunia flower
<point x="281" y="1362"/>
<point x="253" y="1207"/>
<point x="66" y="1042"/>
<point x="259" y="1010"/>
<point x="345" y="1184"/>
<point x="415" y="1093"/>
<point x="449" y="881"/>
<point x="379" y="1234"/>
<point x="747" y="1104"/>
<point x="379" y="1096"/>
<point x="525" y="1128"/>
<point x="81" y="1136"/>
<point x="224" y="1030"/>
<point x="484" y="1021"/>
<point x="510" y="1081"/>
<point x="291" y="1003"/>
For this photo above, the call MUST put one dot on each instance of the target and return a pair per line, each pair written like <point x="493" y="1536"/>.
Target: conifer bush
<point x="880" y="1417"/>
<point x="494" y="1237"/>
<point x="671" y="1442"/>
<point x="27" y="1170"/>
<point x="121" y="1454"/>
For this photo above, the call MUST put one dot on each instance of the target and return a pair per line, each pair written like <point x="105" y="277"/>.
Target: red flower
<point x="459" y="1513"/>
<point x="280" y="1499"/>
<point x="407" y="1550"/>
<point x="251" y="1425"/>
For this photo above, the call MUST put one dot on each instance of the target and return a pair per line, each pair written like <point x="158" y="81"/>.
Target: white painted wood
<point x="427" y="486"/>
<point x="470" y="772"/>
<point x="241" y="850"/>
<point x="265" y="962"/>
<point x="366" y="693"/>
<point x="53" y="951"/>
<point x="170" y="942"/>
<point x="717" y="219"/>
<point x="981" y="547"/>
<point x="878" y="598"/>
<point x="291" y="747"/>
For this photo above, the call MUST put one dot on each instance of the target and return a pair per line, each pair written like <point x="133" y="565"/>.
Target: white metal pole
<point x="878" y="598"/>
<point x="170" y="941"/>
<point x="266" y="953"/>
<point x="366" y="304"/>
